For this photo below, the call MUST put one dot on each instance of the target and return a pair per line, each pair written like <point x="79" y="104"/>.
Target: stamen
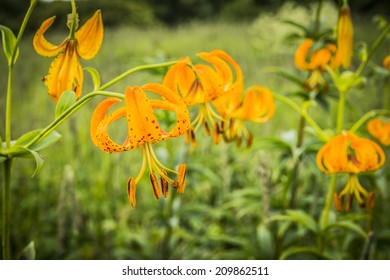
<point x="349" y="203"/>
<point x="370" y="200"/>
<point x="131" y="188"/>
<point x="337" y="202"/>
<point x="164" y="184"/>
<point x="206" y="126"/>
<point x="181" y="178"/>
<point x="231" y="128"/>
<point x="249" y="140"/>
<point x="156" y="188"/>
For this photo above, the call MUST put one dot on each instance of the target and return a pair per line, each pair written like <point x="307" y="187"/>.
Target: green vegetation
<point x="238" y="203"/>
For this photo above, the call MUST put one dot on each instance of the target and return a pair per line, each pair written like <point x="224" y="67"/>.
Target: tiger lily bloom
<point x="316" y="62"/>
<point x="344" y="37"/>
<point x="65" y="71"/>
<point x="380" y="130"/>
<point x="348" y="153"/>
<point x="257" y="106"/>
<point x="200" y="84"/>
<point x="143" y="130"/>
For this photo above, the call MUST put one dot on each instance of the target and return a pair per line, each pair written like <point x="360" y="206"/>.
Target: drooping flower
<point x="200" y="84"/>
<point x="257" y="105"/>
<point x="344" y="37"/>
<point x="314" y="61"/>
<point x="348" y="153"/>
<point x="65" y="71"/>
<point x="143" y="130"/>
<point x="380" y="130"/>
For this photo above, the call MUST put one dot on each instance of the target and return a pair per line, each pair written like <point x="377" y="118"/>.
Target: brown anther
<point x="181" y="178"/>
<point x="193" y="138"/>
<point x="217" y="132"/>
<point x="249" y="140"/>
<point x="207" y="127"/>
<point x="156" y="188"/>
<point x="337" y="202"/>
<point x="231" y="128"/>
<point x="349" y="203"/>
<point x="370" y="200"/>
<point x="164" y="184"/>
<point x="223" y="126"/>
<point x="131" y="191"/>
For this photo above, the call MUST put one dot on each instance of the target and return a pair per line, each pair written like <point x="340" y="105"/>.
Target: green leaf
<point x="28" y="253"/>
<point x="95" y="77"/>
<point x="273" y="143"/>
<point x="265" y="240"/>
<point x="348" y="225"/>
<point x="50" y="139"/>
<point x="67" y="99"/>
<point x="38" y="159"/>
<point x="302" y="251"/>
<point x="296" y="24"/>
<point x="298" y="217"/>
<point x="26" y="138"/>
<point x="9" y="43"/>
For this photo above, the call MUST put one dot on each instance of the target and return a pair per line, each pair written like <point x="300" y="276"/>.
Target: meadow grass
<point x="77" y="208"/>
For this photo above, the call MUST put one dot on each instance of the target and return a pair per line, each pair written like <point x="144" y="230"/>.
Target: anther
<point x="131" y="191"/>
<point x="164" y="184"/>
<point x="249" y="140"/>
<point x="181" y="178"/>
<point x="231" y="127"/>
<point x="156" y="188"/>
<point x="337" y="202"/>
<point x="206" y="126"/>
<point x="370" y="200"/>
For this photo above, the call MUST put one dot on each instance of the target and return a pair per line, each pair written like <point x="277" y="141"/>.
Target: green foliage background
<point x="233" y="206"/>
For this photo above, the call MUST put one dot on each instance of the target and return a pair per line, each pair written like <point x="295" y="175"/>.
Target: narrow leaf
<point x="348" y="225"/>
<point x="67" y="99"/>
<point x="293" y="251"/>
<point x="9" y="43"/>
<point x="95" y="77"/>
<point x="50" y="139"/>
<point x="28" y="253"/>
<point x="298" y="217"/>
<point x="287" y="75"/>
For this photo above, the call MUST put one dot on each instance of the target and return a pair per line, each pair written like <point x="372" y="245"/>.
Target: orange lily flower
<point x="200" y="84"/>
<point x="380" y="130"/>
<point x="386" y="62"/>
<point x="316" y="62"/>
<point x="348" y="153"/>
<point x="344" y="37"/>
<point x="65" y="71"/>
<point x="143" y="130"/>
<point x="257" y="106"/>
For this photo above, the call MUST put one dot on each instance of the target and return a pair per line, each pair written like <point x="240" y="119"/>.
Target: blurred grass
<point x="77" y="208"/>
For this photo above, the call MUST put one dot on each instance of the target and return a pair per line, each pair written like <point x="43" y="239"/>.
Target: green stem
<point x="73" y="25"/>
<point x="317" y="19"/>
<point x="340" y="112"/>
<point x="6" y="203"/>
<point x="10" y="74"/>
<point x="328" y="203"/>
<point x="135" y="69"/>
<point x="70" y="111"/>
<point x="376" y="44"/>
<point x="367" y="116"/>
<point x="304" y="114"/>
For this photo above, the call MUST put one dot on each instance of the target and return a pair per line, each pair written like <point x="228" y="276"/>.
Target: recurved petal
<point x="100" y="122"/>
<point x="41" y="45"/>
<point x="90" y="36"/>
<point x="173" y="103"/>
<point x="301" y="55"/>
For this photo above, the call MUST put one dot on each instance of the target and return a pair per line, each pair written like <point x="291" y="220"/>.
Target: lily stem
<point x="6" y="208"/>
<point x="136" y="69"/>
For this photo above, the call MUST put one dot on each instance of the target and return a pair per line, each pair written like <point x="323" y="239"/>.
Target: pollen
<point x="156" y="187"/>
<point x="164" y="184"/>
<point x="181" y="178"/>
